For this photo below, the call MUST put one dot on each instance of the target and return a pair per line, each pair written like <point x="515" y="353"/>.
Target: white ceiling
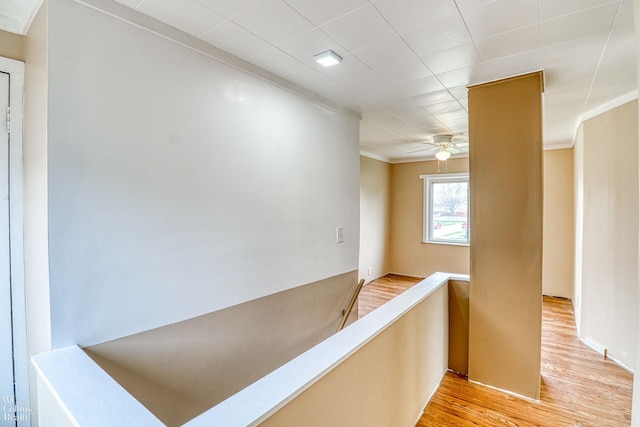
<point x="16" y="15"/>
<point x="406" y="63"/>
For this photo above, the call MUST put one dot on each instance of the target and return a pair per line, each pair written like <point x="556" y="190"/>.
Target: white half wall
<point x="179" y="185"/>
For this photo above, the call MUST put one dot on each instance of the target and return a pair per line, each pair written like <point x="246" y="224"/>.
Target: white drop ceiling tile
<point x="603" y="94"/>
<point x="619" y="60"/>
<point x="433" y="98"/>
<point x="350" y="67"/>
<point x="385" y="53"/>
<point x="306" y="45"/>
<point x="367" y="84"/>
<point x="416" y="148"/>
<point x="455" y="78"/>
<point x="509" y="43"/>
<point x="606" y="93"/>
<point x="321" y="12"/>
<point x="186" y="15"/>
<point x="129" y="3"/>
<point x="373" y="128"/>
<point x="459" y="92"/>
<point x="310" y="79"/>
<point x="553" y="8"/>
<point x="393" y="104"/>
<point x="556" y="116"/>
<point x="510" y="66"/>
<point x="551" y="116"/>
<point x="419" y="86"/>
<point x="500" y="16"/>
<point x="372" y="136"/>
<point x="472" y="4"/>
<point x="394" y="124"/>
<point x="578" y="25"/>
<point x="457" y="128"/>
<point x="387" y="135"/>
<point x="576" y="73"/>
<point x="577" y="79"/>
<point x="574" y="49"/>
<point x="625" y="16"/>
<point x="564" y="85"/>
<point x="278" y="62"/>
<point x="624" y="74"/>
<point x="429" y="124"/>
<point x="233" y="38"/>
<point x="563" y="106"/>
<point x="337" y="93"/>
<point x="571" y="100"/>
<point x="465" y="103"/>
<point x="445" y="33"/>
<point x="409" y="15"/>
<point x="453" y="116"/>
<point x="404" y="72"/>
<point x="442" y="107"/>
<point x="417" y="141"/>
<point x="287" y="22"/>
<point x="372" y="111"/>
<point x="451" y="59"/>
<point x="559" y="132"/>
<point x="360" y="28"/>
<point x="227" y="8"/>
<point x="411" y="115"/>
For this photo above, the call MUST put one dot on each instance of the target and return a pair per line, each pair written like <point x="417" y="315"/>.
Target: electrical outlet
<point x="339" y="234"/>
<point x="369" y="271"/>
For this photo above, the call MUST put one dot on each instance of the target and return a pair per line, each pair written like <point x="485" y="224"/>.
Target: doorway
<point x="14" y="387"/>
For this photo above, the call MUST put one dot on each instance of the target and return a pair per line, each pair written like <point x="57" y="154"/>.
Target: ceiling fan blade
<point x="454" y="150"/>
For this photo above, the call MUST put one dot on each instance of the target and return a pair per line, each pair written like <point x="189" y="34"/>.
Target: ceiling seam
<point x="422" y="61"/>
<point x="604" y="49"/>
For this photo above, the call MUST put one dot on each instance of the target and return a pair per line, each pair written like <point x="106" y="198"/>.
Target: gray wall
<point x="178" y="185"/>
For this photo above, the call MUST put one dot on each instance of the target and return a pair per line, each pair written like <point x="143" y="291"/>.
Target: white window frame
<point x="427" y="215"/>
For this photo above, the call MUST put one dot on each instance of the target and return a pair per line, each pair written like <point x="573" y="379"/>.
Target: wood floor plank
<point x="578" y="386"/>
<point x="381" y="290"/>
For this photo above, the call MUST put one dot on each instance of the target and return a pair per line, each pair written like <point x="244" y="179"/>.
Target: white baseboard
<point x="520" y="396"/>
<point x="404" y="274"/>
<point x="597" y="347"/>
<point x="602" y="350"/>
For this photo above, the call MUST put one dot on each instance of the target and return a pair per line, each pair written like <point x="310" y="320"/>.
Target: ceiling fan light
<point x="443" y="154"/>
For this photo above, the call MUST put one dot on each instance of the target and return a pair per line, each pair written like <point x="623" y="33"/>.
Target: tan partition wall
<point x="12" y="46"/>
<point x="459" y="326"/>
<point x="505" y="162"/>
<point x="387" y="382"/>
<point x="408" y="254"/>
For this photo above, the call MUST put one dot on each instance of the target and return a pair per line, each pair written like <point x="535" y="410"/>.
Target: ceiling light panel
<point x="328" y="58"/>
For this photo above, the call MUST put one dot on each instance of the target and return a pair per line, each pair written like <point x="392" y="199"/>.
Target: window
<point x="446" y="208"/>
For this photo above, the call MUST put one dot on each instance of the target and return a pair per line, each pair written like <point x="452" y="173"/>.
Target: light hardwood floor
<point x="579" y="387"/>
<point x="381" y="290"/>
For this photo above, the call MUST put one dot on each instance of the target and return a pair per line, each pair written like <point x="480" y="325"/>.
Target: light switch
<point x="339" y="234"/>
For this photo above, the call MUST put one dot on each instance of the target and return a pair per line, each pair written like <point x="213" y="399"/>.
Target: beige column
<point x="505" y="165"/>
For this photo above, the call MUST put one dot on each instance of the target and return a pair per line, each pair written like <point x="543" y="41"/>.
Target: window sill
<point x="430" y="242"/>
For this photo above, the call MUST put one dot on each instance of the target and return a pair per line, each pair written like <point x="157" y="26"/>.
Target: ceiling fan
<point x="445" y="145"/>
